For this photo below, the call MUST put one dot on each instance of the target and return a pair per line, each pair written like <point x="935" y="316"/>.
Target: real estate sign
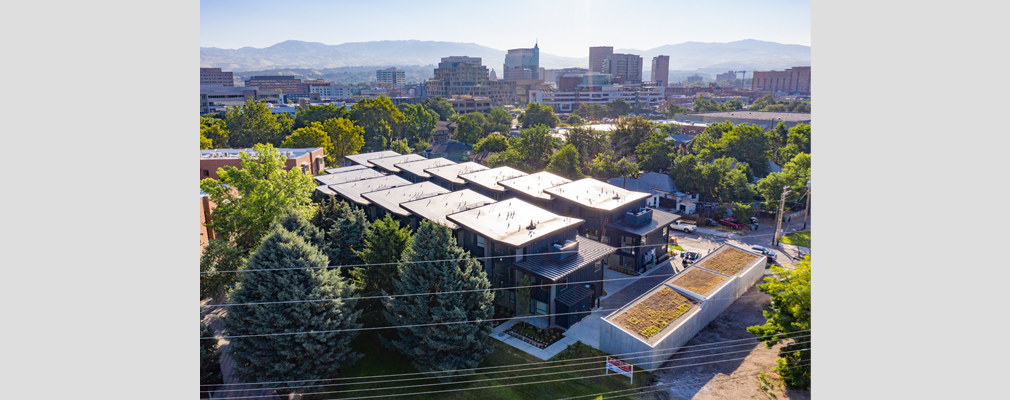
<point x="620" y="367"/>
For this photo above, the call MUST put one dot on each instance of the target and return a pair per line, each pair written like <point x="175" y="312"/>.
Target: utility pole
<point x="807" y="210"/>
<point x="778" y="216"/>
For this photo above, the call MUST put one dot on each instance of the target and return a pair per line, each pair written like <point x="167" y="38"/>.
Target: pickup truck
<point x="680" y="226"/>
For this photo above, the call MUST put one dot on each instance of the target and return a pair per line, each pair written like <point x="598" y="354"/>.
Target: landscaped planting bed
<point x="655" y="312"/>
<point x="699" y="281"/>
<point x="541" y="338"/>
<point x="728" y="261"/>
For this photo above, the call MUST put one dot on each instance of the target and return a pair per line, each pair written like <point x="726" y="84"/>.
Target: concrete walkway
<point x="543" y="354"/>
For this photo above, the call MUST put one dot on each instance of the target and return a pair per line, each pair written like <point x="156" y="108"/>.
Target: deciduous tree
<point x="253" y="123"/>
<point x="538" y="114"/>
<point x="618" y="108"/>
<point x="400" y="146"/>
<point x="440" y="106"/>
<point x="380" y="119"/>
<point x="655" y="152"/>
<point x="566" y="163"/>
<point x="628" y="133"/>
<point x="495" y="143"/>
<point x="498" y="120"/>
<point x="346" y="138"/>
<point x="468" y="129"/>
<point x="440" y="348"/>
<point x="419" y="122"/>
<point x="310" y="137"/>
<point x="305" y="116"/>
<point x="788" y="315"/>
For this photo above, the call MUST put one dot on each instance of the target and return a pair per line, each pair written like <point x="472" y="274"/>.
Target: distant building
<point x="792" y="80"/>
<point x="330" y="90"/>
<point x="465" y="76"/>
<point x="661" y="70"/>
<point x="764" y="119"/>
<point x="597" y="56"/>
<point x="466" y="104"/>
<point x="286" y="84"/>
<point x="624" y="67"/>
<point x="728" y="76"/>
<point x="695" y="78"/>
<point x="522" y="64"/>
<point x="568" y="100"/>
<point x="310" y="160"/>
<point x="450" y="150"/>
<point x="217" y="98"/>
<point x="214" y="76"/>
<point x="392" y="76"/>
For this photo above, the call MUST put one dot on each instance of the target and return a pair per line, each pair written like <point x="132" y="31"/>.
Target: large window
<point x="626" y="242"/>
<point x="538" y="307"/>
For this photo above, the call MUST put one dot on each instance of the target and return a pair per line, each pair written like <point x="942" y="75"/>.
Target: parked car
<point x="681" y="226"/>
<point x="730" y="223"/>
<point x="768" y="253"/>
<point x="689" y="257"/>
<point x="711" y="221"/>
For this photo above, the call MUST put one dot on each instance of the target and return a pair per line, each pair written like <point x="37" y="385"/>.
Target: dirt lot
<point x="736" y="379"/>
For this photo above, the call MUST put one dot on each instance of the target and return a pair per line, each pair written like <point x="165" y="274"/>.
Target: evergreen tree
<point x="440" y="347"/>
<point x="293" y="271"/>
<point x="293" y="221"/>
<point x="210" y="361"/>
<point x="384" y="243"/>
<point x="346" y="236"/>
<point x="326" y="213"/>
<point x="219" y="255"/>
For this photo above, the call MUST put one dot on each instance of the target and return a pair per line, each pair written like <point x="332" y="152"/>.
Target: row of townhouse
<point x="562" y="234"/>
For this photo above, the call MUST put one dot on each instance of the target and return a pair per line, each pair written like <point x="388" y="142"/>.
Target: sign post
<point x="620" y="367"/>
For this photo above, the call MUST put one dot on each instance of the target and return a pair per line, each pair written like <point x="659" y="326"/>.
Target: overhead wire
<point x="697" y="347"/>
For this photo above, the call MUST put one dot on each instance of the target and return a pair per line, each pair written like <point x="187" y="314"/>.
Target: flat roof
<point x="387" y="163"/>
<point x="592" y="193"/>
<point x="436" y="208"/>
<point x="507" y="221"/>
<point x="489" y="178"/>
<point x="391" y="198"/>
<point x="418" y="167"/>
<point x="651" y="316"/>
<point x="349" y="176"/>
<point x="727" y="260"/>
<point x="534" y="184"/>
<point x="362" y="159"/>
<point x="325" y="190"/>
<point x="451" y="172"/>
<point x="759" y="115"/>
<point x="352" y="190"/>
<point x="233" y="153"/>
<point x="697" y="280"/>
<point x="341" y="170"/>
<point x="547" y="266"/>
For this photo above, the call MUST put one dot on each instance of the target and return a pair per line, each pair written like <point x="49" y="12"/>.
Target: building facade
<point x="568" y="101"/>
<point x="392" y="76"/>
<point x="216" y="98"/>
<point x="792" y="80"/>
<point x="310" y="160"/>
<point x="286" y="84"/>
<point x="661" y="70"/>
<point x="215" y="76"/>
<point x="624" y="67"/>
<point x="597" y="56"/>
<point x="522" y="64"/>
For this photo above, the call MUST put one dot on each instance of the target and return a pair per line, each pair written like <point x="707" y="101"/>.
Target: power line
<point x="712" y="344"/>
<point x="666" y="353"/>
<point x="460" y="322"/>
<point x="495" y="386"/>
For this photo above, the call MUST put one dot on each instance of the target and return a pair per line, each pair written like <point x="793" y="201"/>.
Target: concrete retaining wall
<point x="651" y="354"/>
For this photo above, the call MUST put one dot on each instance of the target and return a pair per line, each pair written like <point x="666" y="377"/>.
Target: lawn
<point x="676" y="247"/>
<point x="380" y="361"/>
<point x="798" y="239"/>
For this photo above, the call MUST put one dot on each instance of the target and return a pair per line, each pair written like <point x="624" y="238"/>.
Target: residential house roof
<point x="388" y="164"/>
<point x="489" y="178"/>
<point x="594" y="194"/>
<point x="646" y="183"/>
<point x="451" y="172"/>
<point x="362" y="159"/>
<point x="437" y="207"/>
<point x="547" y="266"/>
<point x="352" y="190"/>
<point x="534" y="184"/>
<point x="509" y="221"/>
<point x="680" y="139"/>
<point x="448" y="147"/>
<point x="575" y="294"/>
<point x="659" y="220"/>
<point x="418" y="167"/>
<point x="341" y="170"/>
<point x="391" y="198"/>
<point x="348" y="176"/>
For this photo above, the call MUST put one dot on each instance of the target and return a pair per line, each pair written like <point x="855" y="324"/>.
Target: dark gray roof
<point x="646" y="183"/>
<point x="679" y="139"/>
<point x="349" y="176"/>
<point x="574" y="295"/>
<point x="451" y="146"/>
<point x="553" y="269"/>
<point x="659" y="220"/>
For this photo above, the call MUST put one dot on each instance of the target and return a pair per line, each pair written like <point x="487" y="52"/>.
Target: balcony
<point x="639" y="217"/>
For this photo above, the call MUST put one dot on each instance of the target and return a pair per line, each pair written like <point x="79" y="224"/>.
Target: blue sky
<point x="563" y="27"/>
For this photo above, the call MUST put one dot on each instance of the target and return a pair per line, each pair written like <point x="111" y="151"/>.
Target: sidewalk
<point x="543" y="354"/>
<point x="716" y="233"/>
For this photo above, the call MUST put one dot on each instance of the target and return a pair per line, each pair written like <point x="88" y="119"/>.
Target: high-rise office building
<point x="661" y="70"/>
<point x="792" y="80"/>
<point x="522" y="64"/>
<point x="597" y="56"/>
<point x="626" y="68"/>
<point x="391" y="76"/>
<point x="465" y="76"/>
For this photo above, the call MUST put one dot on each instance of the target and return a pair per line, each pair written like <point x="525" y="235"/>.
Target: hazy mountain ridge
<point x="747" y="55"/>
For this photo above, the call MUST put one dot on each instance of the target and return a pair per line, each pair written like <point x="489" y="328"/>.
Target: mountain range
<point x="747" y="55"/>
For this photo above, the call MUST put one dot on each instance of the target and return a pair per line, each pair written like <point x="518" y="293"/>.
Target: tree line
<point x="289" y="248"/>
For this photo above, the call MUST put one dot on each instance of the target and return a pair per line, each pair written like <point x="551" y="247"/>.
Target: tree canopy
<point x="787" y="317"/>
<point x="381" y="120"/>
<point x="418" y="122"/>
<point x="286" y="267"/>
<point x="618" y="108"/>
<point x="795" y="174"/>
<point x="309" y="137"/>
<point x="629" y="133"/>
<point x="305" y="116"/>
<point x="346" y="138"/>
<point x="253" y="123"/>
<point x="538" y="114"/>
<point x="219" y="255"/>
<point x="215" y="131"/>
<point x="724" y="179"/>
<point x="440" y="106"/>
<point x="250" y="198"/>
<point x="498" y="120"/>
<point x="384" y="243"/>
<point x="400" y="146"/>
<point x="495" y="143"/>
<point x="655" y="152"/>
<point x="566" y="163"/>
<point x="469" y="128"/>
<point x="440" y="348"/>
<point x="535" y="146"/>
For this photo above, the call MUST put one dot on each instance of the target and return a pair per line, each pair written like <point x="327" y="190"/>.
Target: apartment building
<point x="215" y="76"/>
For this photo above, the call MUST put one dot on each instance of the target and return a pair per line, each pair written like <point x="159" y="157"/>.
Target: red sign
<point x="620" y="367"/>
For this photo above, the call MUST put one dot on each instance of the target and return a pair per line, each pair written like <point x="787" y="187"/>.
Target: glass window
<point x="598" y="266"/>
<point x="480" y="241"/>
